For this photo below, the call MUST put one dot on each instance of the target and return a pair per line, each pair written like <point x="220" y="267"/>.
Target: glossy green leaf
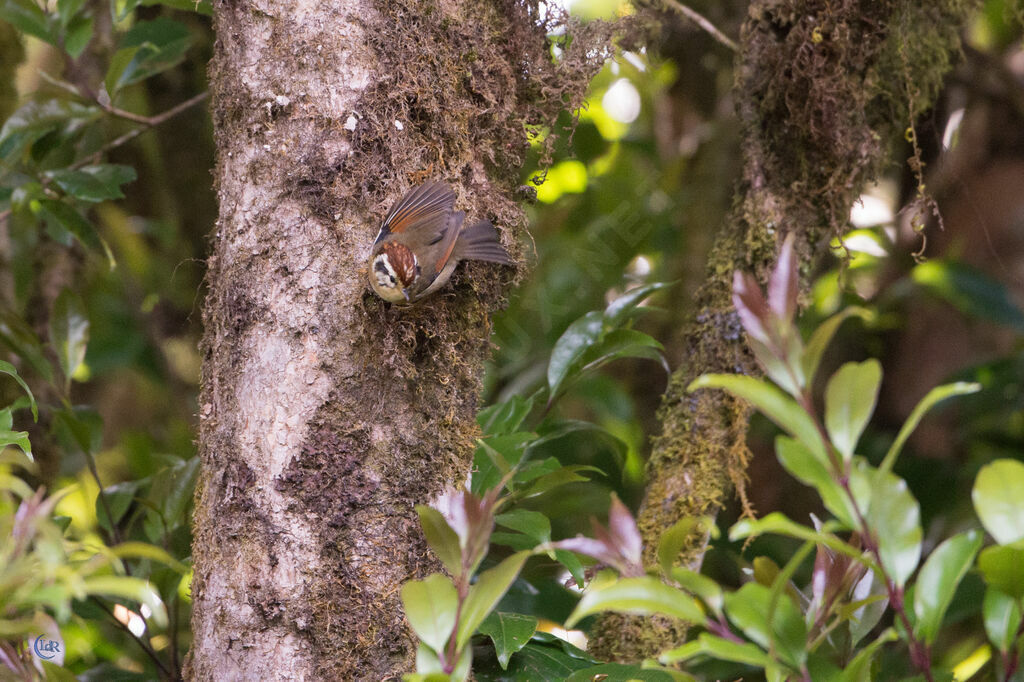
<point x="148" y="48"/>
<point x="622" y="343"/>
<point x="701" y="586"/>
<point x="777" y="523"/>
<point x="118" y="499"/>
<point x="1002" y="614"/>
<point x="509" y="632"/>
<point x="572" y="564"/>
<point x="142" y="550"/>
<point x="939" y="577"/>
<point x="441" y="538"/>
<point x="9" y="369"/>
<point x="77" y="35"/>
<point x="69" y="332"/>
<point x="895" y="519"/>
<point x="718" y="648"/>
<point x="28" y="17"/>
<point x="93" y="183"/>
<point x="37" y="119"/>
<point x="768" y="399"/>
<point x="560" y="477"/>
<point x="998" y="499"/>
<point x="678" y="535"/>
<point x="485" y="593"/>
<point x="81" y="229"/>
<point x="505" y="417"/>
<point x="431" y="605"/>
<point x="822" y="337"/>
<point x="774" y="625"/>
<point x="639" y="596"/>
<point x="67" y="9"/>
<point x="579" y="336"/>
<point x="799" y="461"/>
<point x="934" y="396"/>
<point x="850" y="399"/>
<point x="533" y="524"/>
<point x="545" y="660"/>
<point x="859" y="669"/>
<point x="622" y="308"/>
<point x="1002" y="567"/>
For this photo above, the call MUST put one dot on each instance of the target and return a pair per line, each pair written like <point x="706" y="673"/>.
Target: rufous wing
<point x="424" y="209"/>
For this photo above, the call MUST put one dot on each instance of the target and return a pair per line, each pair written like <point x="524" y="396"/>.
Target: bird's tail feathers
<point x="480" y="242"/>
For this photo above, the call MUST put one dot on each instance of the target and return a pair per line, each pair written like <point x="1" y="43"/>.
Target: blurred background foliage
<point x="635" y="193"/>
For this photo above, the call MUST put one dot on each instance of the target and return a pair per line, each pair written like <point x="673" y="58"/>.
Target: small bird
<point x="421" y="241"/>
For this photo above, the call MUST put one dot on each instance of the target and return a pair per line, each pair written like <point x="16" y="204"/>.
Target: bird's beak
<point x="405" y="292"/>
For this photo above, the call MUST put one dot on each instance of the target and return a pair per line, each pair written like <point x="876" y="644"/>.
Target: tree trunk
<point x="822" y="88"/>
<point x="326" y="413"/>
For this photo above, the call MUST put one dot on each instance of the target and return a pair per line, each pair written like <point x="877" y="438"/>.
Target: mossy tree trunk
<point x="823" y="90"/>
<point x="327" y="414"/>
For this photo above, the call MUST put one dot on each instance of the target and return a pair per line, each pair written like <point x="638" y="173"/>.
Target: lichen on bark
<point x="823" y="90"/>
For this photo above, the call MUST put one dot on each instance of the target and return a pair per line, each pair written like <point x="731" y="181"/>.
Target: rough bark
<point x="822" y="89"/>
<point x="327" y="414"/>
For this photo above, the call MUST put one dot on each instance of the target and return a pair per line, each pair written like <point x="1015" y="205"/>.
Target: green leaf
<point x="1002" y="614"/>
<point x="506" y="417"/>
<point x="28" y="17"/>
<point x="938" y="580"/>
<point x="639" y="596"/>
<point x="128" y="588"/>
<point x="8" y="369"/>
<point x="73" y="221"/>
<point x="545" y="660"/>
<point x="118" y="498"/>
<point x="677" y="536"/>
<point x="441" y="538"/>
<point x="700" y="586"/>
<point x="798" y="460"/>
<point x="485" y="593"/>
<point x="936" y="395"/>
<point x="621" y="672"/>
<point x="971" y="291"/>
<point x="775" y="405"/>
<point x="532" y="524"/>
<point x="820" y="339"/>
<point x="1002" y="567"/>
<point x="69" y="333"/>
<point x="148" y="48"/>
<point x="510" y="632"/>
<point x="93" y="183"/>
<point x="579" y="336"/>
<point x="572" y="564"/>
<point x="998" y="500"/>
<point x="718" y="648"/>
<point x="778" y="523"/>
<point x="67" y="9"/>
<point x="170" y="495"/>
<point x="620" y="310"/>
<point x="622" y="343"/>
<point x="895" y="519"/>
<point x="431" y="605"/>
<point x="859" y="669"/>
<point x="77" y="35"/>
<point x="37" y="119"/>
<point x="142" y="550"/>
<point x="779" y="626"/>
<point x="850" y="399"/>
<point x="559" y="477"/>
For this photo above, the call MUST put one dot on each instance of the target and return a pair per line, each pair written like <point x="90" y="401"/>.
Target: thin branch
<point x="701" y="21"/>
<point x="145" y="647"/>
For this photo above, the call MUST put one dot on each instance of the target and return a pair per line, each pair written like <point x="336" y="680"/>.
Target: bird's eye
<point x="393" y="281"/>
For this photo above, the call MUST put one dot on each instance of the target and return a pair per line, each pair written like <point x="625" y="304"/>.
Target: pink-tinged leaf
<point x="751" y="306"/>
<point x="782" y="287"/>
<point x="624" y="532"/>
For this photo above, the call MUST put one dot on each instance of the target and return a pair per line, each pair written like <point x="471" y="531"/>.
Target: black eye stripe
<point x="380" y="267"/>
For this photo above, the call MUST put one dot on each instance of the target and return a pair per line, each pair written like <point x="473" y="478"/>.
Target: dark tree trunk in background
<point x="327" y="414"/>
<point x="822" y="89"/>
